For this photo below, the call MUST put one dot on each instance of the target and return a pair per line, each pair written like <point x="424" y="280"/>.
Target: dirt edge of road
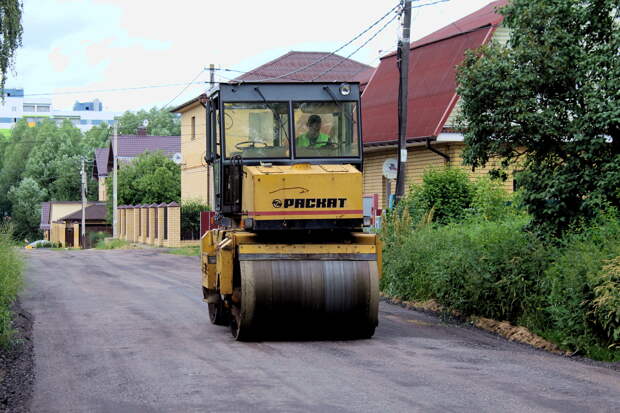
<point x="503" y="329"/>
<point x="17" y="365"/>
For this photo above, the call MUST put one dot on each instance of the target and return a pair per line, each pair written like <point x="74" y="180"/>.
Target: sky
<point x="80" y="49"/>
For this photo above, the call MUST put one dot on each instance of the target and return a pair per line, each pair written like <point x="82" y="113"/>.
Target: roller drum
<point x="338" y="298"/>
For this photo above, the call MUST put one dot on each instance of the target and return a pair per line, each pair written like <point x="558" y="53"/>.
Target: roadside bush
<point x="190" y="218"/>
<point x="96" y="237"/>
<point x="491" y="269"/>
<point x="607" y="301"/>
<point x="112" y="244"/>
<point x="584" y="289"/>
<point x="45" y="244"/>
<point x="11" y="266"/>
<point x="448" y="192"/>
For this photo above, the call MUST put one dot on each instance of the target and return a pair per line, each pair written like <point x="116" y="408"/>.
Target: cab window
<point x="256" y="130"/>
<point x="326" y="129"/>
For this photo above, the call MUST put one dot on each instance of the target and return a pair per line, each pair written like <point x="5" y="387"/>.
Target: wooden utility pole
<point x="211" y="75"/>
<point x="83" y="226"/>
<point x="403" y="89"/>
<point x="115" y="182"/>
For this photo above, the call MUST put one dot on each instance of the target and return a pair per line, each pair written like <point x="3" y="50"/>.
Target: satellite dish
<point x="177" y="158"/>
<point x="390" y="168"/>
<point x="145" y="123"/>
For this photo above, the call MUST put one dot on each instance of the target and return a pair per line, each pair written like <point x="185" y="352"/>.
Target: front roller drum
<point x="306" y="298"/>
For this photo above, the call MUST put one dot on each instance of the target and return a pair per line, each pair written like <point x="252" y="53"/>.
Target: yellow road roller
<point x="290" y="256"/>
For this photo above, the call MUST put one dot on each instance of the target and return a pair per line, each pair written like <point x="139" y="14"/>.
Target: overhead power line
<point x="185" y="88"/>
<point x="300" y="69"/>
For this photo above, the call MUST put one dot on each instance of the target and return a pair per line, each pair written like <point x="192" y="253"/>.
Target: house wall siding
<point x="419" y="160"/>
<point x="194" y="173"/>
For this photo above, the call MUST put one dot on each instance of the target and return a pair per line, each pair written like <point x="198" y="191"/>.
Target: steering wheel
<point x="249" y="145"/>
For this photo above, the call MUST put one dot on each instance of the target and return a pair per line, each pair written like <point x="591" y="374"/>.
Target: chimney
<point x="141" y="131"/>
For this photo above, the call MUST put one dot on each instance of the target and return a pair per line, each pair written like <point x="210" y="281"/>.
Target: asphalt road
<point x="127" y="331"/>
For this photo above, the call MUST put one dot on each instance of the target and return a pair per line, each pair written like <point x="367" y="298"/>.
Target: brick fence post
<point x="174" y="225"/>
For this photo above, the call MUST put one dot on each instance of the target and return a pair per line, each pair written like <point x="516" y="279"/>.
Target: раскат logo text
<point x="309" y="203"/>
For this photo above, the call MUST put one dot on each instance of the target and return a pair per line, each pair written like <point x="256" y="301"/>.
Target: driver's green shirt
<point x="306" y="141"/>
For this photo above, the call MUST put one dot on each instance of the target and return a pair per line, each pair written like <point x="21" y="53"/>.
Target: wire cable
<point x="185" y="88"/>
<point x="356" y="50"/>
<point x="335" y="51"/>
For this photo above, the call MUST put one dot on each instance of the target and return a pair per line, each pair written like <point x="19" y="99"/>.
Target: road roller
<point x="289" y="255"/>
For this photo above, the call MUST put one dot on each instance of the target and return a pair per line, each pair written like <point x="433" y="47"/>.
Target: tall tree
<point x="26" y="199"/>
<point x="550" y="103"/>
<point x="55" y="162"/>
<point x="150" y="178"/>
<point x="160" y="122"/>
<point x="10" y="36"/>
<point x="16" y="152"/>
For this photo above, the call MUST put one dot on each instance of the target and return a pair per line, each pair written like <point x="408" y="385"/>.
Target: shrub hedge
<point x="484" y="261"/>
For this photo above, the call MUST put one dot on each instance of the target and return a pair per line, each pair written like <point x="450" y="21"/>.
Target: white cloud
<point x="101" y="44"/>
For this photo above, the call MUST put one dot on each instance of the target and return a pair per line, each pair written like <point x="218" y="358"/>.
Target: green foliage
<point x="190" y="218"/>
<point x="15" y="156"/>
<point x="477" y="267"/>
<point x="55" y="161"/>
<point x="96" y="237"/>
<point x="448" y="192"/>
<point x="550" y="102"/>
<point x="112" y="244"/>
<point x="580" y="289"/>
<point x="11" y="36"/>
<point x="51" y="156"/>
<point x="186" y="251"/>
<point x="161" y="122"/>
<point x="11" y="283"/>
<point x="151" y="178"/>
<point x="490" y="265"/>
<point x="26" y="200"/>
<point x="607" y="301"/>
<point x="448" y="195"/>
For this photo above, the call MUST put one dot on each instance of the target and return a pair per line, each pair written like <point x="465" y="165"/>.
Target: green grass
<point x="187" y="251"/>
<point x="11" y="282"/>
<point x="112" y="244"/>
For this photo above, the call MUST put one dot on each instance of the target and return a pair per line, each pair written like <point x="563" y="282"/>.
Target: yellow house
<point x="195" y="182"/>
<point x="432" y="136"/>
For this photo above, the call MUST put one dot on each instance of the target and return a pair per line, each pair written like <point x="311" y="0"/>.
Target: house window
<point x="193" y="127"/>
<point x="44" y="108"/>
<point x="28" y="108"/>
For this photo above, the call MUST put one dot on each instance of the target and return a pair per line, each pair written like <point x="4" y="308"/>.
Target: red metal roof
<point x="347" y="70"/>
<point x="432" y="79"/>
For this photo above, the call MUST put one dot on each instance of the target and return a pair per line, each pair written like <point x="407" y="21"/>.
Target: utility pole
<point x="115" y="182"/>
<point x="403" y="89"/>
<point x="211" y="75"/>
<point x="83" y="226"/>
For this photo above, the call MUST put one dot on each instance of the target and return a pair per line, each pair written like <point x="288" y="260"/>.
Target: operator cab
<point x="251" y="124"/>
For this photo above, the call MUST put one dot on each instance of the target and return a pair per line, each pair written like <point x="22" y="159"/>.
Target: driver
<point x="313" y="138"/>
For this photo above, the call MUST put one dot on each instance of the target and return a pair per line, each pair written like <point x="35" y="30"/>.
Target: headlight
<point x="345" y="90"/>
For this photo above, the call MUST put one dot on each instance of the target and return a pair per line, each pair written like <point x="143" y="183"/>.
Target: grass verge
<point x="11" y="282"/>
<point x="187" y="251"/>
<point x="112" y="244"/>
